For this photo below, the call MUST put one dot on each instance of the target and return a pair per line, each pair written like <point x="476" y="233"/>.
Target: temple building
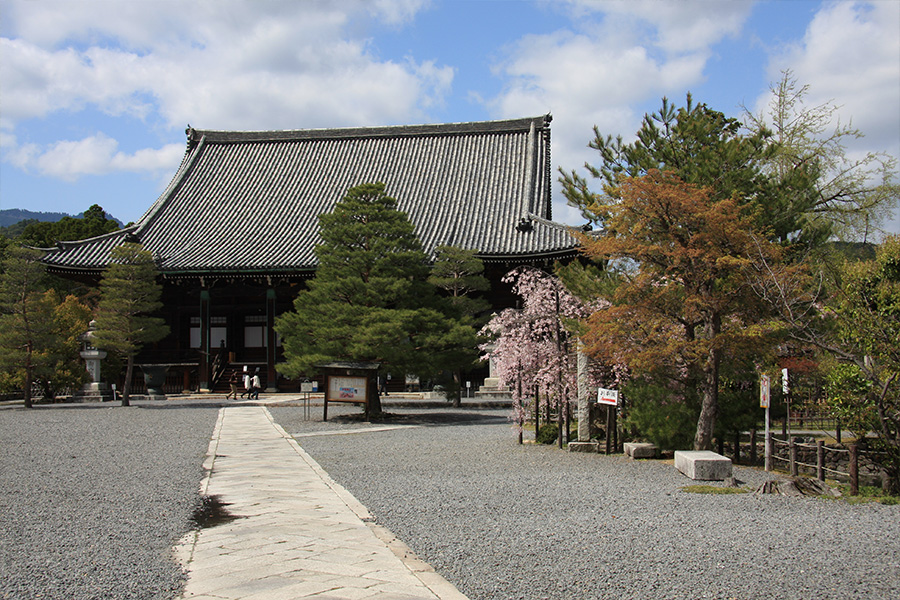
<point x="233" y="233"/>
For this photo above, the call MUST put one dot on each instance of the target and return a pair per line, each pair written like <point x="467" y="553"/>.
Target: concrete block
<point x="640" y="450"/>
<point x="703" y="465"/>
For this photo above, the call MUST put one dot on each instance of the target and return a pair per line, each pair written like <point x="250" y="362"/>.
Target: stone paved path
<point x="299" y="534"/>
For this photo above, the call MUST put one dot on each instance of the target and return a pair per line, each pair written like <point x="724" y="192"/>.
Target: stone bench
<point x="640" y="450"/>
<point x="703" y="465"/>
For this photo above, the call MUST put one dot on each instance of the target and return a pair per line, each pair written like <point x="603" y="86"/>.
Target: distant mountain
<point x="11" y="216"/>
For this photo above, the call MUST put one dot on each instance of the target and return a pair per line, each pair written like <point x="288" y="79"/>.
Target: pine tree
<point x="459" y="274"/>
<point x="129" y="292"/>
<point x="27" y="326"/>
<point x="370" y="299"/>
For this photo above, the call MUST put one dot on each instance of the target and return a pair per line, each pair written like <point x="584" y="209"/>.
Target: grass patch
<point x="867" y="493"/>
<point x="713" y="489"/>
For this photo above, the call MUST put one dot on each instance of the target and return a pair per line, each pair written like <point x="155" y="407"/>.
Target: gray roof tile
<point x="249" y="201"/>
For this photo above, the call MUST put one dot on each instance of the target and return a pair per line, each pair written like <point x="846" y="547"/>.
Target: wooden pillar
<point x="820" y="460"/>
<point x="753" y="447"/>
<point x="271" y="374"/>
<point x="609" y="428"/>
<point x="854" y="470"/>
<point x="792" y="448"/>
<point x="204" y="340"/>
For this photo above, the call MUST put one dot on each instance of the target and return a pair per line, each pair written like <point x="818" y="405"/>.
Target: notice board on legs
<point x="348" y="382"/>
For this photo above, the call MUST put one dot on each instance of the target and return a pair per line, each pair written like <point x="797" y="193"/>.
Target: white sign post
<point x="610" y="397"/>
<point x="764" y="397"/>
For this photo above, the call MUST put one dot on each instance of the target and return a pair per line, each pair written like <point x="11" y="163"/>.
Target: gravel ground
<point x="93" y="497"/>
<point x="503" y="521"/>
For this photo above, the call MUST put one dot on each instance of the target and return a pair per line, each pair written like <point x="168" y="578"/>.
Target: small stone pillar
<point x="584" y="396"/>
<point x="491" y="389"/>
<point x="96" y="390"/>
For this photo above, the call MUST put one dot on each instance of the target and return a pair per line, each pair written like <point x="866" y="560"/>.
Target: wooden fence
<point x="794" y="464"/>
<point x="794" y="456"/>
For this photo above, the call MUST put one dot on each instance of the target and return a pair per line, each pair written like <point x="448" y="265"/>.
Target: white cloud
<point x="850" y="55"/>
<point x="95" y="155"/>
<point x="216" y="64"/>
<point x="675" y="27"/>
<point x="222" y="64"/>
<point x="617" y="55"/>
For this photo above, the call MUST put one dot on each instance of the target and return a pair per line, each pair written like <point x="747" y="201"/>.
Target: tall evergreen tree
<point x="129" y="292"/>
<point x="459" y="273"/>
<point x="26" y="318"/>
<point x="370" y="299"/>
<point x="703" y="147"/>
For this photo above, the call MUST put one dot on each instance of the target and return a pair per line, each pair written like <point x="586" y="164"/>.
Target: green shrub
<point x="548" y="434"/>
<point x="660" y="416"/>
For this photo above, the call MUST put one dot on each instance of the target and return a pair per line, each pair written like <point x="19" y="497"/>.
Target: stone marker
<point x="703" y="465"/>
<point x="640" y="450"/>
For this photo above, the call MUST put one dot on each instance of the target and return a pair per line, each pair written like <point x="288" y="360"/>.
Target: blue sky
<point x="95" y="95"/>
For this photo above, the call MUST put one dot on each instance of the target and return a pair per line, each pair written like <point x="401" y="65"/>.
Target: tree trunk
<point x="28" y="380"/>
<point x="126" y="388"/>
<point x="709" y="387"/>
<point x="374" y="398"/>
<point x="457" y="398"/>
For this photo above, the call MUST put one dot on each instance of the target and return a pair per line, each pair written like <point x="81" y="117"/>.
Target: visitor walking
<point x="233" y="382"/>
<point x="255" y="384"/>
<point x="246" y="391"/>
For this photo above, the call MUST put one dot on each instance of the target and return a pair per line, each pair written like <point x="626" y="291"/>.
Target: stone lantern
<point x="96" y="390"/>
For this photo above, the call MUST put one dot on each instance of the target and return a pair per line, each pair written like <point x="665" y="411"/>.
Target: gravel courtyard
<point x="503" y="521"/>
<point x="93" y="497"/>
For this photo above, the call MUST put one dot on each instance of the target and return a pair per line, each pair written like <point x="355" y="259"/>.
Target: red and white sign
<point x="605" y="396"/>
<point x="764" y="391"/>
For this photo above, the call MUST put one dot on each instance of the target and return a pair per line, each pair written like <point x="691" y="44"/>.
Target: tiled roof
<point x="245" y="202"/>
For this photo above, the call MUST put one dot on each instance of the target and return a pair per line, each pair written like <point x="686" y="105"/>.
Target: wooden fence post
<point x="753" y="446"/>
<point x="820" y="460"/>
<point x="837" y="427"/>
<point x="792" y="445"/>
<point x="854" y="470"/>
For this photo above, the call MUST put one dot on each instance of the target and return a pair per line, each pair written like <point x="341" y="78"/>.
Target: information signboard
<point x="345" y="388"/>
<point x="764" y="391"/>
<point x="610" y="397"/>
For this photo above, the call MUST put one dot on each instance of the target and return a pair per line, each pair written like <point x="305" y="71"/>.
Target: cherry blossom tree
<point x="532" y="348"/>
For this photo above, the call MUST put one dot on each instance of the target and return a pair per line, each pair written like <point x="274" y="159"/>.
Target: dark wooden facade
<point x="234" y="232"/>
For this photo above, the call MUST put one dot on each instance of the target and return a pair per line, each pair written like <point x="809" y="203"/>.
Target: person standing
<point x="233" y="382"/>
<point x="255" y="385"/>
<point x="246" y="391"/>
